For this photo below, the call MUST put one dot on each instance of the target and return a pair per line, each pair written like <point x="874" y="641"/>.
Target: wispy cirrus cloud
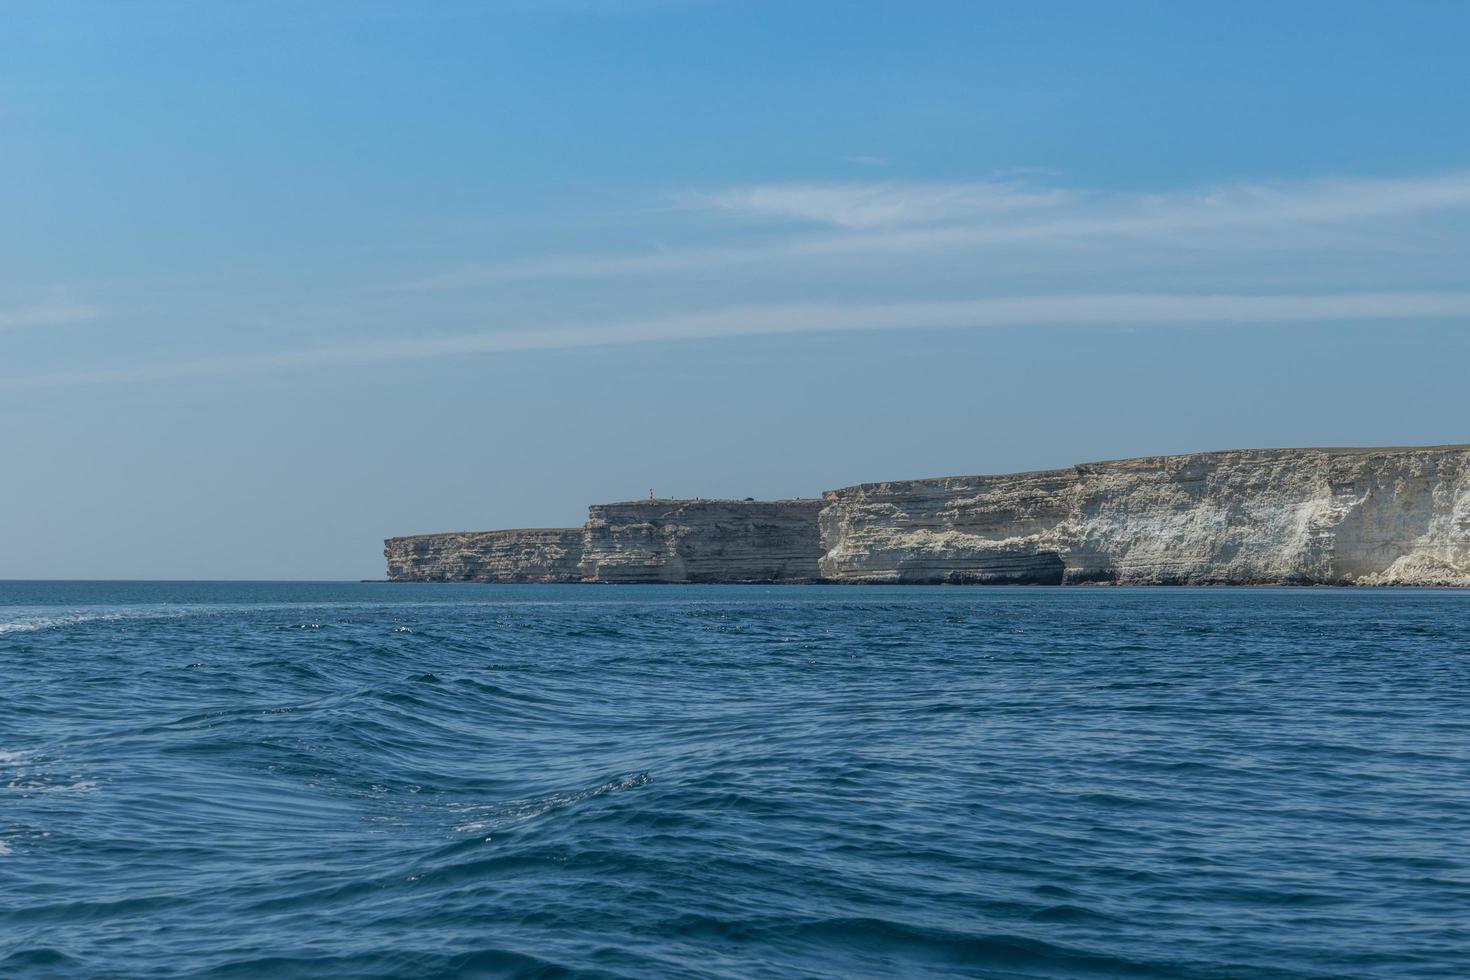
<point x="879" y="204"/>
<point x="1026" y="207"/>
<point x="50" y="314"/>
<point x="1109" y="309"/>
<point x="1249" y="251"/>
<point x="817" y="221"/>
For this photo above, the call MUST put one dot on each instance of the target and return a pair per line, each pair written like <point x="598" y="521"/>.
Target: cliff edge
<point x="702" y="541"/>
<point x="1390" y="516"/>
<point x="1251" y="517"/>
<point x="524" y="555"/>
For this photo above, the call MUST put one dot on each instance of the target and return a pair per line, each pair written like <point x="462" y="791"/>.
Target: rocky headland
<point x="539" y="554"/>
<point x="702" y="541"/>
<point x="1390" y="516"/>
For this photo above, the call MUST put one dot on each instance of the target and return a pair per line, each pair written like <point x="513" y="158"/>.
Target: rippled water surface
<point x="365" y="780"/>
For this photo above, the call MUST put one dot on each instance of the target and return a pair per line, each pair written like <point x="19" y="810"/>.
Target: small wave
<point x="34" y="623"/>
<point x="31" y="621"/>
<point x="1069" y="913"/>
<point x="33" y="786"/>
<point x="25" y="772"/>
<point x="396" y="962"/>
<point x="937" y="946"/>
<point x="34" y="783"/>
<point x="507" y="813"/>
<point x="40" y="956"/>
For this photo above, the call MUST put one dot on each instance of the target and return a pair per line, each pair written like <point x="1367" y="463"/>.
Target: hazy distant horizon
<point x="283" y="282"/>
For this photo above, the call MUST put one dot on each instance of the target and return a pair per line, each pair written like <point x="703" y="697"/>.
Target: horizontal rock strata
<point x="525" y="555"/>
<point x="1316" y="516"/>
<point x="702" y="541"/>
<point x="1276" y="516"/>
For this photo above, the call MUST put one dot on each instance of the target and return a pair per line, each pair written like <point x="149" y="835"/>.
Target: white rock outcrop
<point x="522" y="555"/>
<point x="1397" y="516"/>
<point x="702" y="541"/>
<point x="1305" y="516"/>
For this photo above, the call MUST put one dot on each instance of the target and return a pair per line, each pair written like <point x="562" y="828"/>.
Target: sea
<point x="371" y="780"/>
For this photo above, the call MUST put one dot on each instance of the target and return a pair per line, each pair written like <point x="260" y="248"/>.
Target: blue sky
<point x="279" y="280"/>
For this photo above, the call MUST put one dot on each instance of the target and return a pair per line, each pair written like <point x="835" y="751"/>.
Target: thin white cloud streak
<point x="1112" y="309"/>
<point x="890" y="218"/>
<point x="888" y="203"/>
<point x="46" y="315"/>
<point x="862" y="205"/>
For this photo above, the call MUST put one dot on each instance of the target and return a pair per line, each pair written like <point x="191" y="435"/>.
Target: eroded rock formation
<point x="521" y="555"/>
<point x="1272" y="516"/>
<point x="702" y="541"/>
<point x="1316" y="516"/>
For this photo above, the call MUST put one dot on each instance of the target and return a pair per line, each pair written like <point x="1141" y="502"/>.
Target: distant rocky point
<point x="1391" y="516"/>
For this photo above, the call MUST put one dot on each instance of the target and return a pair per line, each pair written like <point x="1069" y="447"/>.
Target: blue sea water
<point x="344" y="780"/>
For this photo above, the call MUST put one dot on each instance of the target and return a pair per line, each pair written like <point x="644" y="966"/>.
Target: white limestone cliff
<point x="702" y="541"/>
<point x="1311" y="516"/>
<point x="523" y="555"/>
<point x="1394" y="516"/>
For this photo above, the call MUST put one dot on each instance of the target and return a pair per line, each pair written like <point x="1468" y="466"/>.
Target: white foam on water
<point x="25" y="772"/>
<point x="5" y="850"/>
<point x="27" y="625"/>
<point x="494" y="816"/>
<point x="30" y="620"/>
<point x="32" y="786"/>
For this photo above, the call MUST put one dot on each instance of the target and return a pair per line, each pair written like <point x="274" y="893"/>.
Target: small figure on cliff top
<point x="650" y="493"/>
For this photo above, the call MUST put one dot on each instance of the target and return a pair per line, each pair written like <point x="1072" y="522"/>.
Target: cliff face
<point x="1375" y="516"/>
<point x="702" y="541"/>
<point x="1287" y="516"/>
<point x="524" y="555"/>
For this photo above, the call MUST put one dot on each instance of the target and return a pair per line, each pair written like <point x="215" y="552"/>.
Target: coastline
<point x="1341" y="516"/>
